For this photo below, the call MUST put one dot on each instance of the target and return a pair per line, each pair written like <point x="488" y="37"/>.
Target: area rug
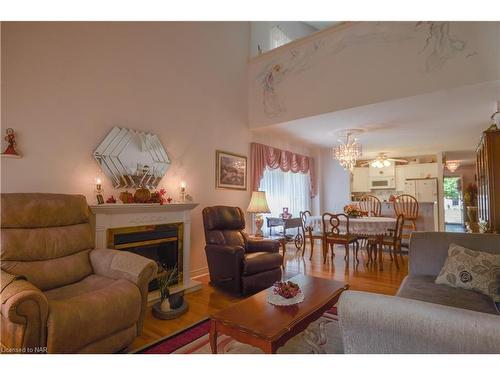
<point x="195" y="340"/>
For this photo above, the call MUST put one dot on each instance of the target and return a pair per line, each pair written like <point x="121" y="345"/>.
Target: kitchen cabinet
<point x="428" y="170"/>
<point x="425" y="190"/>
<point x="404" y="172"/>
<point x="382" y="172"/>
<point x="400" y="177"/>
<point x="360" y="180"/>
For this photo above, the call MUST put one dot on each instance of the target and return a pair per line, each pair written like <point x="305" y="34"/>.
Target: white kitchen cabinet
<point x="382" y="172"/>
<point x="410" y="187"/>
<point x="360" y="180"/>
<point x="424" y="190"/>
<point x="407" y="171"/>
<point x="428" y="170"/>
<point x="400" y="177"/>
<point x="427" y="190"/>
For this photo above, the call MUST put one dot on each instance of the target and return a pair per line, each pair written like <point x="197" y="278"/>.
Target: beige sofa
<point x="424" y="317"/>
<point x="58" y="293"/>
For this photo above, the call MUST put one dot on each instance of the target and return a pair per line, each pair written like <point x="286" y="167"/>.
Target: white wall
<point x="65" y="85"/>
<point x="261" y="32"/>
<point x="335" y="184"/>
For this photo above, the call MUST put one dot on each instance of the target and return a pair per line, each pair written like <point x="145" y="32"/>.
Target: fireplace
<point x="159" y="242"/>
<point x="137" y="217"/>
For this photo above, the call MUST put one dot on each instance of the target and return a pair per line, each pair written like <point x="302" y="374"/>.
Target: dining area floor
<point x="359" y="276"/>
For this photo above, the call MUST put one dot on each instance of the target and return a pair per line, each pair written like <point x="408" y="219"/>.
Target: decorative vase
<point x="165" y="305"/>
<point x="142" y="195"/>
<point x="472" y="213"/>
<point x="176" y="300"/>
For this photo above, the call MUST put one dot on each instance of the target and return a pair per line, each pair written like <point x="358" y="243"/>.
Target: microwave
<point x="382" y="183"/>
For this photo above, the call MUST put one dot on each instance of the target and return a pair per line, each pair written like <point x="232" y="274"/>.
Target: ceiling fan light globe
<point x="386" y="163"/>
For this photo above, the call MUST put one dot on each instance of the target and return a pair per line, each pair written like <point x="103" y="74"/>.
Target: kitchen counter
<point x="428" y="215"/>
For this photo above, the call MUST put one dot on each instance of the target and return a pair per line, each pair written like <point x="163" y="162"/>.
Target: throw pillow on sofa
<point x="472" y="270"/>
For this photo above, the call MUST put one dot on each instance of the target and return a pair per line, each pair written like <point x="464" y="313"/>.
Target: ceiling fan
<point x="382" y="161"/>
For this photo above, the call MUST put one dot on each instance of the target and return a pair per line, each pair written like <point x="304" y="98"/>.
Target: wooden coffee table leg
<point x="213" y="337"/>
<point x="269" y="348"/>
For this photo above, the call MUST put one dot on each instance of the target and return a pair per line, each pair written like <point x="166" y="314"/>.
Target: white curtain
<point x="285" y="189"/>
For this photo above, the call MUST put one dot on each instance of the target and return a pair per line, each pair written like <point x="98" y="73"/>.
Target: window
<point x="285" y="189"/>
<point x="278" y="37"/>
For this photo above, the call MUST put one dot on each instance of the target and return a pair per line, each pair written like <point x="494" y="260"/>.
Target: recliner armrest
<point x="225" y="249"/>
<point x="25" y="306"/>
<point x="117" y="264"/>
<point x="270" y="246"/>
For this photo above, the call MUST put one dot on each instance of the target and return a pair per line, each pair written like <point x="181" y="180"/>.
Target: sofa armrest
<point x="225" y="264"/>
<point x="24" y="311"/>
<point x="374" y="323"/>
<point x="117" y="264"/>
<point x="270" y="246"/>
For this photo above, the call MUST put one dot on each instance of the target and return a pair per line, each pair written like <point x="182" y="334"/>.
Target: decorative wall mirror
<point x="132" y="159"/>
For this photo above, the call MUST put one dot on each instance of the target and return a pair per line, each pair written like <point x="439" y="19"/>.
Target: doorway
<point x="453" y="204"/>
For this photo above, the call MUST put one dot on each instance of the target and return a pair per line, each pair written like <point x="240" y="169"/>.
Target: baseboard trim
<point x="199" y="272"/>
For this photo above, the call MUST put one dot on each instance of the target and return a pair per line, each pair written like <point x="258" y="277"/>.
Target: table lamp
<point x="258" y="205"/>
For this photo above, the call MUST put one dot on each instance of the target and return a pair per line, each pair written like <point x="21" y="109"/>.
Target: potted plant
<point x="166" y="279"/>
<point x="470" y="198"/>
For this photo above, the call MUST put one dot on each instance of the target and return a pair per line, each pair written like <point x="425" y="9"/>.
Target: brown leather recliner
<point x="236" y="263"/>
<point x="57" y="291"/>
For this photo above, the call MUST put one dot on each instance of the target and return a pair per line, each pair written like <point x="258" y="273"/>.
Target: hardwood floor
<point x="208" y="300"/>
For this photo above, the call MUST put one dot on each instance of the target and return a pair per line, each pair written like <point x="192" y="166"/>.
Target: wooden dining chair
<point x="407" y="205"/>
<point x="309" y="232"/>
<point x="370" y="204"/>
<point x="332" y="235"/>
<point x="392" y="241"/>
<point x="373" y="207"/>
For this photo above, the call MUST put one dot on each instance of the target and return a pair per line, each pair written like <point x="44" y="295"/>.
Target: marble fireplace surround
<point x="135" y="214"/>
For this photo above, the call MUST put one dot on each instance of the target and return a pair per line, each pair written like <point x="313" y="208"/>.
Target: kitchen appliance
<point x="383" y="182"/>
<point x="382" y="178"/>
<point x="424" y="189"/>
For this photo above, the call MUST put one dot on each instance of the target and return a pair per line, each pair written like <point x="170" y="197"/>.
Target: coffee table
<point x="256" y="322"/>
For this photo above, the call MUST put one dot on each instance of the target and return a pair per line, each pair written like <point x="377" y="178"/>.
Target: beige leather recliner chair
<point x="57" y="291"/>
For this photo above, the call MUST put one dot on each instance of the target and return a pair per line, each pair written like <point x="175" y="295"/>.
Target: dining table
<point x="373" y="226"/>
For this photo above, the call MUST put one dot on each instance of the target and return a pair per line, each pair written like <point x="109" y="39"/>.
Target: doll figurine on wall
<point x="11" y="140"/>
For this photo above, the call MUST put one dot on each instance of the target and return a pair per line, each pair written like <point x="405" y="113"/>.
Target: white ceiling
<point x="448" y="120"/>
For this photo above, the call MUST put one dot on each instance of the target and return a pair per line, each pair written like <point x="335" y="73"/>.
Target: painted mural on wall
<point x="437" y="44"/>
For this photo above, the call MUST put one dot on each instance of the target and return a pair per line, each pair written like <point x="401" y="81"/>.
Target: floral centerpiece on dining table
<point x="352" y="210"/>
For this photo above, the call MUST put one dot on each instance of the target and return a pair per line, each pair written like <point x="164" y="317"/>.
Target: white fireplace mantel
<point x="126" y="215"/>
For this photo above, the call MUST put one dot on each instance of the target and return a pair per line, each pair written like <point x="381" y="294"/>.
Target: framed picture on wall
<point x="230" y="171"/>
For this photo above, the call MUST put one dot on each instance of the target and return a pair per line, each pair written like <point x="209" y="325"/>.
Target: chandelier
<point x="452" y="165"/>
<point x="348" y="151"/>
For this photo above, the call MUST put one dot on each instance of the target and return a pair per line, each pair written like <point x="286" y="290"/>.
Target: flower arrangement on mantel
<point x="352" y="210"/>
<point x="142" y="195"/>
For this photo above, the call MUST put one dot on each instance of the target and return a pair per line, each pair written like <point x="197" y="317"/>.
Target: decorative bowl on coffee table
<point x="285" y="294"/>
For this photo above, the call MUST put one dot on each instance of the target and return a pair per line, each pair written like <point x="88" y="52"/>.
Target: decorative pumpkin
<point x="142" y="195"/>
<point x="126" y="197"/>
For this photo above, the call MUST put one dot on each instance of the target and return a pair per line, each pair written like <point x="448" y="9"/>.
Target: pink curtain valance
<point x="263" y="156"/>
